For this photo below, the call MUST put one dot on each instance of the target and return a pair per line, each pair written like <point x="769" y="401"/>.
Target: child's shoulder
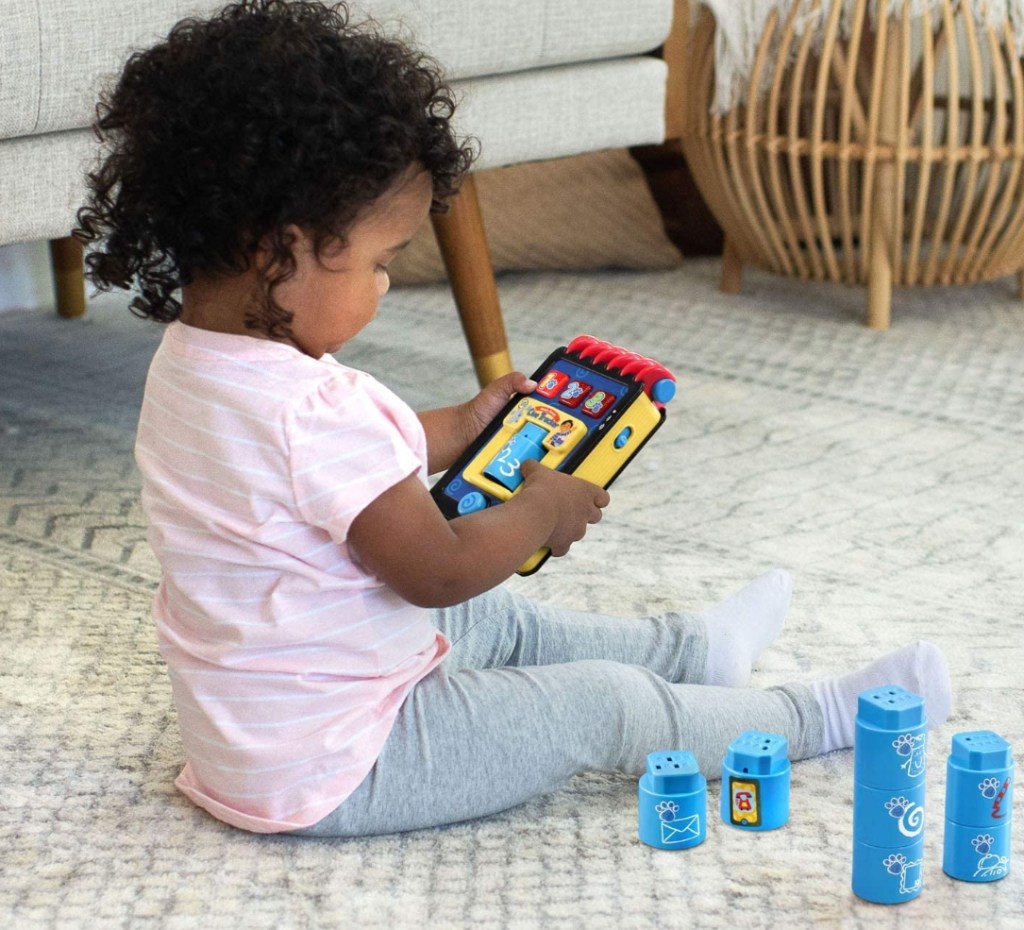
<point x="254" y="370"/>
<point x="243" y="356"/>
<point x="274" y="369"/>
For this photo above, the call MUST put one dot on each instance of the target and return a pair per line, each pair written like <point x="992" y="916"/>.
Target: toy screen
<point x="556" y="424"/>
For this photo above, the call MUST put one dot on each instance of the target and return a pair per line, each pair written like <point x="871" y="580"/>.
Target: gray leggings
<point x="532" y="695"/>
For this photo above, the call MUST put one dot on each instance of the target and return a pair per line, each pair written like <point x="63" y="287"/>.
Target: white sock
<point x="920" y="667"/>
<point x="742" y="627"/>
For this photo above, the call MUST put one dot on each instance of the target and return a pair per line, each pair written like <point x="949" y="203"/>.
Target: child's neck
<point x="221" y="304"/>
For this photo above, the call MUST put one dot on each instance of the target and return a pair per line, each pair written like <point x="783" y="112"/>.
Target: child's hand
<point x="576" y="503"/>
<point x="450" y="430"/>
<point x="403" y="539"/>
<point x="488" y="403"/>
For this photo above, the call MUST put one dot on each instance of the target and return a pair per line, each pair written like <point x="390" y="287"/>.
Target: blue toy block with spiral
<point x="889" y="753"/>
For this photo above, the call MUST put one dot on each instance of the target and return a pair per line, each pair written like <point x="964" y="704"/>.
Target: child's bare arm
<point x="405" y="541"/>
<point x="451" y="429"/>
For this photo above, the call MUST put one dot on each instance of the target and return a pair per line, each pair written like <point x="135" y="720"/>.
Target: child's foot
<point x="920" y="668"/>
<point x="742" y="627"/>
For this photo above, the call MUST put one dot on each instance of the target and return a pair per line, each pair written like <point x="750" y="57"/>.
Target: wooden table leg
<point x="883" y="219"/>
<point x="732" y="269"/>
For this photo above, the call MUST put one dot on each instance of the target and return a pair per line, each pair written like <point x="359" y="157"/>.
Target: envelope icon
<point x="680" y="831"/>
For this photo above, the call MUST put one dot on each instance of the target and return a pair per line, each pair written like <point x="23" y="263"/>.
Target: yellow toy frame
<point x="594" y="408"/>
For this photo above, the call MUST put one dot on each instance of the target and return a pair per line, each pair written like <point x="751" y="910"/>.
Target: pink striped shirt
<point x="288" y="663"/>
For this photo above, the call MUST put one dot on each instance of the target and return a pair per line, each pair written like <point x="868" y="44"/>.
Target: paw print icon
<point x="667" y="811"/>
<point x="983" y="843"/>
<point x="897" y="806"/>
<point x="895" y="863"/>
<point x="989" y="788"/>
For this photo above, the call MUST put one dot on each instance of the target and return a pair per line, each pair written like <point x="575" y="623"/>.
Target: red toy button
<point x="574" y="392"/>
<point x="552" y="383"/>
<point x="598" y="403"/>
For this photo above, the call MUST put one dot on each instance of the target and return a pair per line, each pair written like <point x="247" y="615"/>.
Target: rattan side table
<point x="866" y="150"/>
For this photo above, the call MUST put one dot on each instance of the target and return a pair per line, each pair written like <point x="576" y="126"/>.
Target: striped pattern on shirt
<point x="288" y="663"/>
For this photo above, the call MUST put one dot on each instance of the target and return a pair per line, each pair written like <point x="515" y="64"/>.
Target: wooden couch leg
<point x="463" y="242"/>
<point x="68" y="276"/>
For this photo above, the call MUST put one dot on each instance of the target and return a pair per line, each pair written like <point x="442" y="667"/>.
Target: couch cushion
<point x="56" y="54"/>
<point x="553" y="112"/>
<point x="525" y="117"/>
<point x="472" y="38"/>
<point x="19" y="68"/>
<point x="43" y="184"/>
<point x="78" y="44"/>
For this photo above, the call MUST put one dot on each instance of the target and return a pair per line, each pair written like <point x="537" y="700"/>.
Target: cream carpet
<point x="886" y="471"/>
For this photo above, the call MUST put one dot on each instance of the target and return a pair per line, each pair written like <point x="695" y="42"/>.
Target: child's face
<point x="335" y="295"/>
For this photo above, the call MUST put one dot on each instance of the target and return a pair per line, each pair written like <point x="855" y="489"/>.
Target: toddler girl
<point x="343" y="660"/>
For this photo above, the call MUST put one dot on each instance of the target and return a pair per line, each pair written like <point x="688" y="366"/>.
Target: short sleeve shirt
<point x="288" y="661"/>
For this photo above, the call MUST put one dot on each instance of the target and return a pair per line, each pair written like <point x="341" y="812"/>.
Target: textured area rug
<point x="885" y="470"/>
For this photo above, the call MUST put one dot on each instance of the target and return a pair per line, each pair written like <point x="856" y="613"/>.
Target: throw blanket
<point x="741" y="24"/>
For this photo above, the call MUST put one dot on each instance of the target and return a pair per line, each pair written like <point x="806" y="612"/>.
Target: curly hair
<point x="269" y="114"/>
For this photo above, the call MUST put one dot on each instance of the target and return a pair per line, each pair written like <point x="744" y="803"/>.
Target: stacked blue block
<point x="673" y="801"/>
<point x="755" y="781"/>
<point x="979" y="796"/>
<point x="888" y="795"/>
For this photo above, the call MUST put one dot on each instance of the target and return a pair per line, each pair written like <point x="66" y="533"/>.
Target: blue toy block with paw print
<point x="673" y="801"/>
<point x="979" y="798"/>
<point x="888" y="795"/>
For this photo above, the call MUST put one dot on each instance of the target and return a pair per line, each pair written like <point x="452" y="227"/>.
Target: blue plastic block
<point x="973" y="854"/>
<point x="890" y="707"/>
<point x="888" y="876"/>
<point x="889" y="755"/>
<point x="888" y="818"/>
<point x="979" y="798"/>
<point x="890" y="741"/>
<point x="672" y="806"/>
<point x="755" y="781"/>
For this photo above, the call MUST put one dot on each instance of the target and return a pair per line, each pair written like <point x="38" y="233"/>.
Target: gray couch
<point x="538" y="79"/>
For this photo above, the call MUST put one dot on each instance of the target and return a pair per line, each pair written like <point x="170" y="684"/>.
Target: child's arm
<point x="405" y="541"/>
<point x="451" y="429"/>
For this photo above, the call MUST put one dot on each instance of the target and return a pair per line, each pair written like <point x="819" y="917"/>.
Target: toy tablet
<point x="594" y="408"/>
